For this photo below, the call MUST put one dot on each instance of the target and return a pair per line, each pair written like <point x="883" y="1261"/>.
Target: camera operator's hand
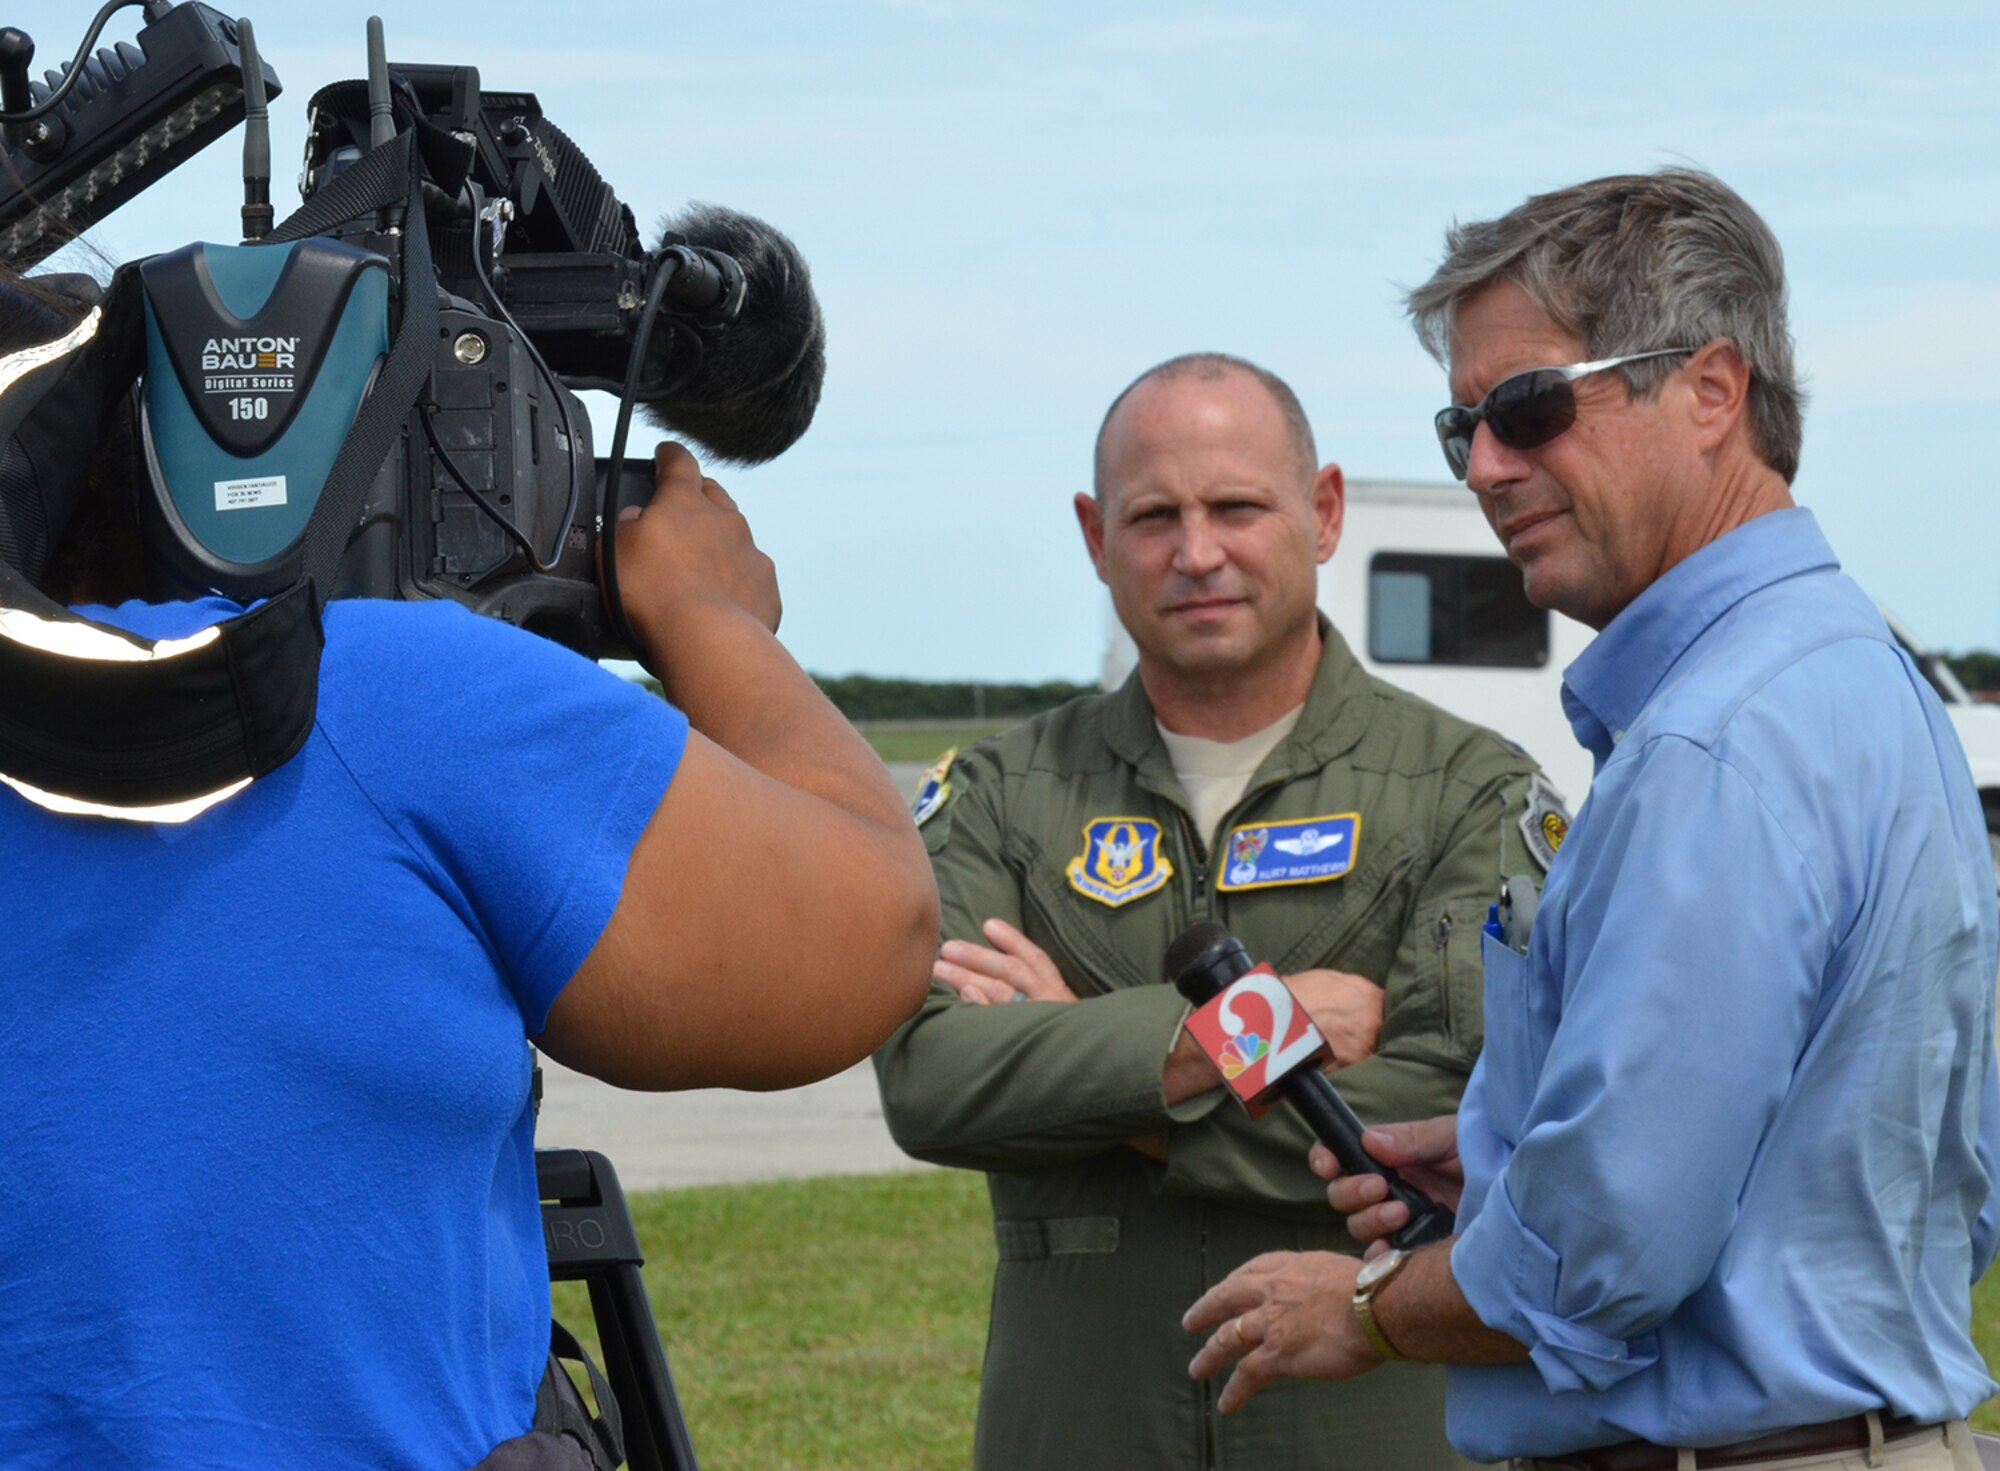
<point x="778" y="916"/>
<point x="689" y="554"/>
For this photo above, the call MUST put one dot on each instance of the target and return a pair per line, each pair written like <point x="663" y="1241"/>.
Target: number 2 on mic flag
<point x="1255" y="1032"/>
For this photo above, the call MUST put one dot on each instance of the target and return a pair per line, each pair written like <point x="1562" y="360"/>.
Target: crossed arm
<point x="1347" y="1008"/>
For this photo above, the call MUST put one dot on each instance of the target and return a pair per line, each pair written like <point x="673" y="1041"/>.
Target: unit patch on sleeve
<point x="1302" y="850"/>
<point x="1544" y="822"/>
<point x="1121" y="861"/>
<point x="933" y="789"/>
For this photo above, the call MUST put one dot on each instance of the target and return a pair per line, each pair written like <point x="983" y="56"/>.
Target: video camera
<point x="432" y="207"/>
<point x="376" y="397"/>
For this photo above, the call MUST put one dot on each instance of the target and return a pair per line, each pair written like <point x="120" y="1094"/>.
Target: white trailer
<point x="1425" y="598"/>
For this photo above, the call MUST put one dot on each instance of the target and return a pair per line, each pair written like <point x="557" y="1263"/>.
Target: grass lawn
<point x="821" y="1325"/>
<point x="926" y="742"/>
<point x="1986" y="1333"/>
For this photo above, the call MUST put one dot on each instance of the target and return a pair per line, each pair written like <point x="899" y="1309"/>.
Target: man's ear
<point x="1329" y="507"/>
<point x="1090" y="520"/>
<point x="1720" y="383"/>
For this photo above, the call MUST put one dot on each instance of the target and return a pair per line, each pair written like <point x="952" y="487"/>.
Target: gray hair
<point x="1210" y="367"/>
<point x="1635" y="262"/>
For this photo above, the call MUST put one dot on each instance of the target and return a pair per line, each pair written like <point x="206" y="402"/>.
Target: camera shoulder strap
<point x="100" y="721"/>
<point x="386" y="176"/>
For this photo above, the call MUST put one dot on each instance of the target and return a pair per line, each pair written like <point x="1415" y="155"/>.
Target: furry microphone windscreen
<point x="760" y="376"/>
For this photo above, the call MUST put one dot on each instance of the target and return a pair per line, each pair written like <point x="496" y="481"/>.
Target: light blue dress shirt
<point x="1729" y="1150"/>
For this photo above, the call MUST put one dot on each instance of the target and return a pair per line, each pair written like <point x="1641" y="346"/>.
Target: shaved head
<point x="1212" y="367"/>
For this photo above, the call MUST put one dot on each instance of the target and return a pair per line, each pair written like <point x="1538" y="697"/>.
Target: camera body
<point x="260" y="355"/>
<point x="376" y="397"/>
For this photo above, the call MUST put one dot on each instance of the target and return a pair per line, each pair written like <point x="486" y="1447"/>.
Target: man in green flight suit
<point x="1350" y="834"/>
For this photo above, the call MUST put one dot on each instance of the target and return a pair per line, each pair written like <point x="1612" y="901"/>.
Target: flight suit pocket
<point x="1352" y="924"/>
<point x="1508" y="1062"/>
<point x="1094" y="946"/>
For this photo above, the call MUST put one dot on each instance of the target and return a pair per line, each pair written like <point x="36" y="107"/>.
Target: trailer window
<point x="1425" y="609"/>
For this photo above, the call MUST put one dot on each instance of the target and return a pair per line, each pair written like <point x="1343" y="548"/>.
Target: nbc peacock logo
<point x="1241" y="1053"/>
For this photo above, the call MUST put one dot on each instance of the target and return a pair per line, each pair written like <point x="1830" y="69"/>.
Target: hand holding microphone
<point x="1209" y="966"/>
<point x="1424" y="1153"/>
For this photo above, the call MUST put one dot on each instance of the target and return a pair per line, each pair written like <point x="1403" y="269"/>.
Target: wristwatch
<point x="1373" y="1275"/>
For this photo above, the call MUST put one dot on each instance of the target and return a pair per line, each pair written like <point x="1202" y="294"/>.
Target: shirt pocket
<point x="1455" y="946"/>
<point x="1508" y="1070"/>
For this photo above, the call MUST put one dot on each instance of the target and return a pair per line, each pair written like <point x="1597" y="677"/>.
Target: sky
<point x="1012" y="209"/>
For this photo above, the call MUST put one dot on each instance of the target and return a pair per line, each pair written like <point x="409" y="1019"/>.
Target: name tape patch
<point x="1121" y="861"/>
<point x="1301" y="850"/>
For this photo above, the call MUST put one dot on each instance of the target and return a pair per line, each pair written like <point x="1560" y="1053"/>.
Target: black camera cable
<point x="499" y="518"/>
<point x="607" y="533"/>
<point x="155" y="10"/>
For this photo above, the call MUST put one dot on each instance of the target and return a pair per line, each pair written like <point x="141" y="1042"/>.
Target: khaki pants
<point x="1948" y="1450"/>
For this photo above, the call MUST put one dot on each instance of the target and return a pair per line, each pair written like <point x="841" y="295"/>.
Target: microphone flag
<point x="1257" y="1034"/>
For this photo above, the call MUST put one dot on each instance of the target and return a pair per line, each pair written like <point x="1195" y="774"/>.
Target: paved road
<point x="718" y="1135"/>
<point x="714" y="1136"/>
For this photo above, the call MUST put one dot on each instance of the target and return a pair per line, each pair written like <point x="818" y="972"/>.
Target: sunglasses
<point x="1526" y="410"/>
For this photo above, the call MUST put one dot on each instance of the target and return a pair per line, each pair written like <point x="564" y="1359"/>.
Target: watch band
<point x="1373" y="1278"/>
<point x="1364" y="1316"/>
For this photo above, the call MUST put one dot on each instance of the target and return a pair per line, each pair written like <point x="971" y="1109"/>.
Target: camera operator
<point x="272" y="1195"/>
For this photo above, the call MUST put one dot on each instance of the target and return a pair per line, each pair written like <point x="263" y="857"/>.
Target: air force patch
<point x="1121" y="861"/>
<point x="933" y="789"/>
<point x="1304" y="850"/>
<point x="1545" y="822"/>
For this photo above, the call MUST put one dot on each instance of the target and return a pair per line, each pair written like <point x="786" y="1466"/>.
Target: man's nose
<point x="1493" y="466"/>
<point x="1199" y="551"/>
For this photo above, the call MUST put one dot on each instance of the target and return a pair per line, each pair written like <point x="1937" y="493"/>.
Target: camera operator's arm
<point x="778" y="916"/>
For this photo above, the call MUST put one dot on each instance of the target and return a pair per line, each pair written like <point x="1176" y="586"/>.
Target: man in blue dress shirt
<point x="1727" y="1162"/>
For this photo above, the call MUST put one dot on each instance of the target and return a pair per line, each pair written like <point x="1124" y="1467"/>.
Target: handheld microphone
<point x="763" y="357"/>
<point x="1205" y="963"/>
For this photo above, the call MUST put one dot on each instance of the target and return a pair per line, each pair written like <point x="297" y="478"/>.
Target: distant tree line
<point x="865" y="697"/>
<point x="1977" y="669"/>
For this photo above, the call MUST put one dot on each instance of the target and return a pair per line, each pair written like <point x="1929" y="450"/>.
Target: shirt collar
<point x="1608" y="684"/>
<point x="1330" y="724"/>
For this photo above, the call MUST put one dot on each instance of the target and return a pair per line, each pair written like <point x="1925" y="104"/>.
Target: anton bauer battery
<point x="257" y="360"/>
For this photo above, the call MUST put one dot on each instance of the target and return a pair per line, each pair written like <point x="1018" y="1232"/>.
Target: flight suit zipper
<point x="1199" y="905"/>
<point x="1207" y="1451"/>
<point x="1204" y="892"/>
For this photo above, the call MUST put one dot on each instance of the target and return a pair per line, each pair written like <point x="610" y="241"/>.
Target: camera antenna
<point x="381" y="116"/>
<point x="257" y="212"/>
<point x="381" y="120"/>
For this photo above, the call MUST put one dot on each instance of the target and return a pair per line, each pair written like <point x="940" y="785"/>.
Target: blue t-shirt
<point x="270" y="1192"/>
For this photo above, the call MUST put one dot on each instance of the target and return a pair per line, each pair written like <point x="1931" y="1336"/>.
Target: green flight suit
<point x="1101" y="1249"/>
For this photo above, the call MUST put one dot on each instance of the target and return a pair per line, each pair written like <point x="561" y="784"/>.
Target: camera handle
<point x="590" y="1239"/>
